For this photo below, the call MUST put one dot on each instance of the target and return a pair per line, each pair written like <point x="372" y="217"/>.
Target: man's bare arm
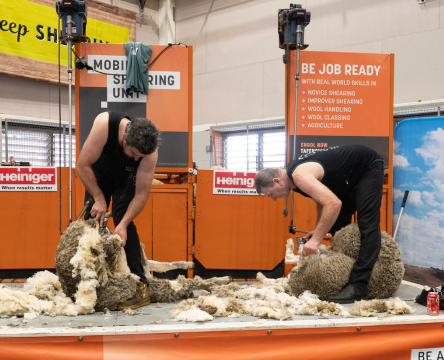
<point x="318" y="217"/>
<point x="307" y="177"/>
<point x="319" y="212"/>
<point x="92" y="148"/>
<point x="144" y="180"/>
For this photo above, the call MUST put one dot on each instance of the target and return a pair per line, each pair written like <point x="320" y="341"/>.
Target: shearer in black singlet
<point x="118" y="160"/>
<point x="341" y="180"/>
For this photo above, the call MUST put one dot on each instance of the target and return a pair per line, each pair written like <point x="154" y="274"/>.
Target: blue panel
<point x="419" y="167"/>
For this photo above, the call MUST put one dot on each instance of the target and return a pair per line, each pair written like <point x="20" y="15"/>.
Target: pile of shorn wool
<point x="268" y="298"/>
<point x="328" y="271"/>
<point x="272" y="299"/>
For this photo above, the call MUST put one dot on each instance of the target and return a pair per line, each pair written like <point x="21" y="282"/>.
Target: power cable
<point x="81" y="63"/>
<point x="169" y="45"/>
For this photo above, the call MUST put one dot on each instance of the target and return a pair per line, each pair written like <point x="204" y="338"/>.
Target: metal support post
<point x="64" y="148"/>
<point x="248" y="160"/>
<point x="287" y="123"/>
<point x="298" y="51"/>
<point x="69" y="23"/>
<point x="6" y="141"/>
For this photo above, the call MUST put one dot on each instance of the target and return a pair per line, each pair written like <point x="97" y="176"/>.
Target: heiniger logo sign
<point x="27" y="178"/>
<point x="233" y="183"/>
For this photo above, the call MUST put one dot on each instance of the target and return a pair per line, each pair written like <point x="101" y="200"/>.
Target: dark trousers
<point x="122" y="191"/>
<point x="365" y="198"/>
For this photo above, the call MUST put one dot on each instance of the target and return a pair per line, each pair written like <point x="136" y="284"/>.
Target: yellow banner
<point x="29" y="29"/>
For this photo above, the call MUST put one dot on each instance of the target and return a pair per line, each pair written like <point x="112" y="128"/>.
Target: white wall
<point x="238" y="69"/>
<point x="202" y="158"/>
<point x="147" y="30"/>
<point x="413" y="32"/>
<point x="25" y="97"/>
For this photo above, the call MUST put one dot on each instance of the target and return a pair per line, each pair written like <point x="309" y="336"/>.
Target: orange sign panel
<point x="343" y="98"/>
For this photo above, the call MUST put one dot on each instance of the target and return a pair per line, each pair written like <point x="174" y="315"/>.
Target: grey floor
<point x="158" y="314"/>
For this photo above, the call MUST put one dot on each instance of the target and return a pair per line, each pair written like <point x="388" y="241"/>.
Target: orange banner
<point x="343" y="98"/>
<point x="414" y="342"/>
<point x="343" y="94"/>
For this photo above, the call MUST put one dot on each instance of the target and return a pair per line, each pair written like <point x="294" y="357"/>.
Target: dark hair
<point x="264" y="179"/>
<point x="143" y="135"/>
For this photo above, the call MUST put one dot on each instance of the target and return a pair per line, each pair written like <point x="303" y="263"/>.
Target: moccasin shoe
<point x="142" y="298"/>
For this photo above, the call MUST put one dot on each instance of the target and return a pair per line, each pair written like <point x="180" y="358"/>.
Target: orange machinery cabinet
<point x="231" y="232"/>
<point x="239" y="232"/>
<point x="165" y="225"/>
<point x="31" y="222"/>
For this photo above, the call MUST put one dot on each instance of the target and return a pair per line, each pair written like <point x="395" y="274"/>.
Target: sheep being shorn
<point x="92" y="267"/>
<point x="93" y="275"/>
<point x="326" y="274"/>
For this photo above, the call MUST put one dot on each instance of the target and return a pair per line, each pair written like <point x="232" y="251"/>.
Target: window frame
<point x="254" y="130"/>
<point x="39" y="127"/>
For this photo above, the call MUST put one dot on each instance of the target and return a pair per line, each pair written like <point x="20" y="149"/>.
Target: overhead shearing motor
<point x="292" y="22"/>
<point x="74" y="13"/>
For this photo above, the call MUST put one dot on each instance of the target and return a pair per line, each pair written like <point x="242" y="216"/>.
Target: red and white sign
<point x="27" y="178"/>
<point x="233" y="183"/>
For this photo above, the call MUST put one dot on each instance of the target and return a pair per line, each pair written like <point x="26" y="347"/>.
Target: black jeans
<point x="365" y="198"/>
<point x="122" y="191"/>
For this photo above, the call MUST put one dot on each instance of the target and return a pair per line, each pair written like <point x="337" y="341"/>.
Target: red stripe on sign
<point x="234" y="180"/>
<point x="27" y="176"/>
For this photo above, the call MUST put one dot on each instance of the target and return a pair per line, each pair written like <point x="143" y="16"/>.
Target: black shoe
<point x="422" y="298"/>
<point x="346" y="296"/>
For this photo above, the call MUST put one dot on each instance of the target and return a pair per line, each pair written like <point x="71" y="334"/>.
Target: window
<point x="239" y="148"/>
<point x="36" y="142"/>
<point x="273" y="149"/>
<point x="251" y="148"/>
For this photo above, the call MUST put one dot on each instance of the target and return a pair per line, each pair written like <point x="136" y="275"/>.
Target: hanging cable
<point x="82" y="64"/>
<point x="169" y="45"/>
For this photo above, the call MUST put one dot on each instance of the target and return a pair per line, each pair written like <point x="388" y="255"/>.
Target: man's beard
<point x="122" y="150"/>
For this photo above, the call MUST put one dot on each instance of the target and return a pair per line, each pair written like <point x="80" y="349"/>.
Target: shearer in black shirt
<point x="118" y="161"/>
<point x="341" y="180"/>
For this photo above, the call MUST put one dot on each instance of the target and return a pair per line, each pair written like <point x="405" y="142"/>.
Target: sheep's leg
<point x="209" y="283"/>
<point x="197" y="283"/>
<point x="219" y="280"/>
<point x="264" y="280"/>
<point x="290" y="257"/>
<point x="162" y="267"/>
